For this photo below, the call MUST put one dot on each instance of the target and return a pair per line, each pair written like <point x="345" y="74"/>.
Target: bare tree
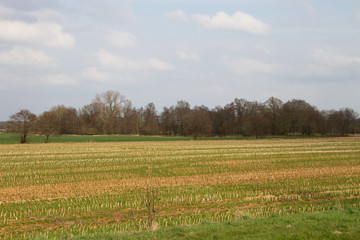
<point x="299" y="117"/>
<point x="273" y="110"/>
<point x="110" y="105"/>
<point x="48" y="124"/>
<point x="130" y="119"/>
<point x="257" y="120"/>
<point x="89" y="123"/>
<point x="168" y="121"/>
<point x="224" y="121"/>
<point x="243" y="109"/>
<point x="342" y="122"/>
<point x="199" y="122"/>
<point x="150" y="120"/>
<point x="21" y="123"/>
<point x="181" y="110"/>
<point x="2" y="126"/>
<point x="68" y="119"/>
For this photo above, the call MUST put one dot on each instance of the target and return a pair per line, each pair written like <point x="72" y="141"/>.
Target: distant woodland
<point x="111" y="113"/>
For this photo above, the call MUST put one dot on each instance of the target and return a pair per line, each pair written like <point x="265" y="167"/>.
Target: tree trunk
<point x="23" y="138"/>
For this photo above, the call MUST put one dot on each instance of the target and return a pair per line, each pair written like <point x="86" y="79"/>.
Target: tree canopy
<point x="22" y="123"/>
<point x="111" y="113"/>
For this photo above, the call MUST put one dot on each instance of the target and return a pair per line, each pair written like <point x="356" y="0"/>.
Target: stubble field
<point x="68" y="189"/>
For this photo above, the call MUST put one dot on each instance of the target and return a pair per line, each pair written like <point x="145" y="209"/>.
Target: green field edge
<point x="8" y="138"/>
<point x="341" y="224"/>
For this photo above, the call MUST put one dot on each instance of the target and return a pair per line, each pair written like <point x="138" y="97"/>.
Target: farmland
<point x="8" y="138"/>
<point x="68" y="189"/>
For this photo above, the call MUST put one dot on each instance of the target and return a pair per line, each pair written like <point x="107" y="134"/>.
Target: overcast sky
<point x="206" y="52"/>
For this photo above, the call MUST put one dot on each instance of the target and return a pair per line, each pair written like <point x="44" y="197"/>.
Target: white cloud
<point x="178" y="16"/>
<point x="45" y="15"/>
<point x="314" y="69"/>
<point x="263" y="50"/>
<point x="306" y="5"/>
<point x="156" y="64"/>
<point x="247" y="66"/>
<point x="333" y="58"/>
<point x="239" y="21"/>
<point x="5" y="75"/>
<point x="120" y="39"/>
<point x="186" y="54"/>
<point x="110" y="60"/>
<point x="95" y="74"/>
<point x="60" y="79"/>
<point x="24" y="56"/>
<point x="48" y="34"/>
<point x="6" y="12"/>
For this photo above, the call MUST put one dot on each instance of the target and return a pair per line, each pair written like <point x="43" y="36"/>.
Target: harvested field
<point x="80" y="188"/>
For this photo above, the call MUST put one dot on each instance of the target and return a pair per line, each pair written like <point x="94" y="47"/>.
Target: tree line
<point x="111" y="113"/>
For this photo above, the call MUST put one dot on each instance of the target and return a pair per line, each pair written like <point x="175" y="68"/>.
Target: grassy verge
<point x="7" y="138"/>
<point x="322" y="225"/>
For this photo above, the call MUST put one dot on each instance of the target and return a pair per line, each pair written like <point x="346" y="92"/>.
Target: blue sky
<point x="205" y="52"/>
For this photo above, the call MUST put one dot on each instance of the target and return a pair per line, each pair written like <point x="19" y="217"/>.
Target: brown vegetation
<point x="111" y="113"/>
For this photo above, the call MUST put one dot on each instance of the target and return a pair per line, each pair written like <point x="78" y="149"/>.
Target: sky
<point x="64" y="52"/>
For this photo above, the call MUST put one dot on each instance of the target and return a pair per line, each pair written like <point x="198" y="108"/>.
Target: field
<point x="8" y="138"/>
<point x="60" y="190"/>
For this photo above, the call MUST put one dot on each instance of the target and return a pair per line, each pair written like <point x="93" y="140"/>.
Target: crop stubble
<point x="97" y="187"/>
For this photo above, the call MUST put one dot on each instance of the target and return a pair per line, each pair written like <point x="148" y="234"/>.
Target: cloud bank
<point x="120" y="39"/>
<point x="47" y="34"/>
<point x="19" y="56"/>
<point x="239" y="21"/>
<point x="177" y="15"/>
<point x="112" y="61"/>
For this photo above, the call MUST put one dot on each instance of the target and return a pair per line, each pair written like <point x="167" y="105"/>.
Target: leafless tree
<point x="342" y="122"/>
<point x="199" y="122"/>
<point x="168" y="121"/>
<point x="48" y="124"/>
<point x="111" y="113"/>
<point x="21" y="123"/>
<point x="68" y="119"/>
<point x="257" y="121"/>
<point x="130" y="119"/>
<point x="150" y="120"/>
<point x="273" y="108"/>
<point x="182" y="109"/>
<point x="110" y="105"/>
<point x="299" y="117"/>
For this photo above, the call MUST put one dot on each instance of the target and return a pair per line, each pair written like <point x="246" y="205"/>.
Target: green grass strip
<point x="8" y="138"/>
<point x="322" y="225"/>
